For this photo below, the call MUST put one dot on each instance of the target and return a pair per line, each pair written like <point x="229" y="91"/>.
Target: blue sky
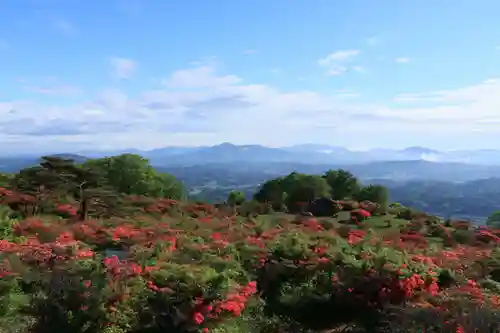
<point x="127" y="73"/>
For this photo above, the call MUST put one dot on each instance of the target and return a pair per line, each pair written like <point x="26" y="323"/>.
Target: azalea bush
<point x="178" y="267"/>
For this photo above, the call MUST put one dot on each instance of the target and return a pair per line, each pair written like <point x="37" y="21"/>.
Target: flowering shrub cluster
<point x="180" y="267"/>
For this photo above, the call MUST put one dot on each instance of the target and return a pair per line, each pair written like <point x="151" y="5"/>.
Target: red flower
<point x="198" y="318"/>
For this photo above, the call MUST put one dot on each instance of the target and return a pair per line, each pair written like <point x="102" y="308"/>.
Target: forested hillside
<point x="426" y="190"/>
<point x="474" y="199"/>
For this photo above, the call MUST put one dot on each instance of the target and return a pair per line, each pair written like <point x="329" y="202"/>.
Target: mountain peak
<point x="420" y="150"/>
<point x="225" y="144"/>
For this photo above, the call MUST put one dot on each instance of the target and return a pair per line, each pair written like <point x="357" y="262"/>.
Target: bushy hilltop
<point x="97" y="187"/>
<point x="113" y="246"/>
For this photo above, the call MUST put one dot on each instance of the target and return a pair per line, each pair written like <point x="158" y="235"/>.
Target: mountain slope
<point x="229" y="153"/>
<point x="312" y="154"/>
<point x="302" y="153"/>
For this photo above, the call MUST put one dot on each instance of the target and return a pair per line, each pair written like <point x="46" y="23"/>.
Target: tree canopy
<point x="296" y="189"/>
<point x="374" y="193"/>
<point x="236" y="198"/>
<point x="493" y="220"/>
<point x="97" y="186"/>
<point x="343" y="184"/>
<point x="132" y="174"/>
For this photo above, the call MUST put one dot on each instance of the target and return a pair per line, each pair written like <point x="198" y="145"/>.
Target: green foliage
<point x="304" y="189"/>
<point x="343" y="184"/>
<point x="6" y="179"/>
<point x="403" y="212"/>
<point x="253" y="208"/>
<point x="298" y="189"/>
<point x="187" y="267"/>
<point x="236" y="198"/>
<point x="96" y="188"/>
<point x="493" y="220"/>
<point x="463" y="236"/>
<point x="132" y="174"/>
<point x="273" y="192"/>
<point x="7" y="223"/>
<point x="374" y="193"/>
<point x="474" y="199"/>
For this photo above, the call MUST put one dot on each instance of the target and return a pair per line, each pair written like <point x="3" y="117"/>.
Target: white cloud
<point x="402" y="60"/>
<point x="122" y="67"/>
<point x="337" y="62"/>
<point x="478" y="104"/>
<point x="359" y="69"/>
<point x="199" y="77"/>
<point x="49" y="86"/>
<point x="193" y="102"/>
<point x="339" y="56"/>
<point x="199" y="106"/>
<point x="485" y="90"/>
<point x="346" y="93"/>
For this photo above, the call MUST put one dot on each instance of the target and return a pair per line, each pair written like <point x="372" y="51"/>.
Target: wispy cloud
<point x="358" y="69"/>
<point x="192" y="103"/>
<point x="486" y="91"/>
<point x="199" y="77"/>
<point x="346" y="93"/>
<point x="49" y="86"/>
<point x="123" y="68"/>
<point x="200" y="105"/>
<point x="337" y="63"/>
<point x="402" y="60"/>
<point x="65" y="27"/>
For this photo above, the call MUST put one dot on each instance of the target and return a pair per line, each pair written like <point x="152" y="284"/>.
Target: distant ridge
<point x="314" y="153"/>
<point x="307" y="153"/>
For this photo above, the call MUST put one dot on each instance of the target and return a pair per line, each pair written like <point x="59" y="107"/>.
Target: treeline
<point x="97" y="187"/>
<point x="299" y="192"/>
<point x="474" y="200"/>
<point x="130" y="174"/>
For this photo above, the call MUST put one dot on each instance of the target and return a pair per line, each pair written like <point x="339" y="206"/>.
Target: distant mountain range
<point x="386" y="172"/>
<point x="305" y="153"/>
<point x="459" y="183"/>
<point x="414" y="163"/>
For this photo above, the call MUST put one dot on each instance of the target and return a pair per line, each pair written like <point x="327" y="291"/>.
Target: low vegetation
<point x="113" y="246"/>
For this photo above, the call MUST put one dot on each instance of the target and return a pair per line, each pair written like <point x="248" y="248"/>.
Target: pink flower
<point x="198" y="318"/>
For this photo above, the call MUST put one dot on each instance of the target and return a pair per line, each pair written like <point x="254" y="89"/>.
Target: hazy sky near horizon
<point x="115" y="74"/>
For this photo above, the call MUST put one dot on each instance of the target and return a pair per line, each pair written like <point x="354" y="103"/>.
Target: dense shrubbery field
<point x="80" y="265"/>
<point x="191" y="268"/>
